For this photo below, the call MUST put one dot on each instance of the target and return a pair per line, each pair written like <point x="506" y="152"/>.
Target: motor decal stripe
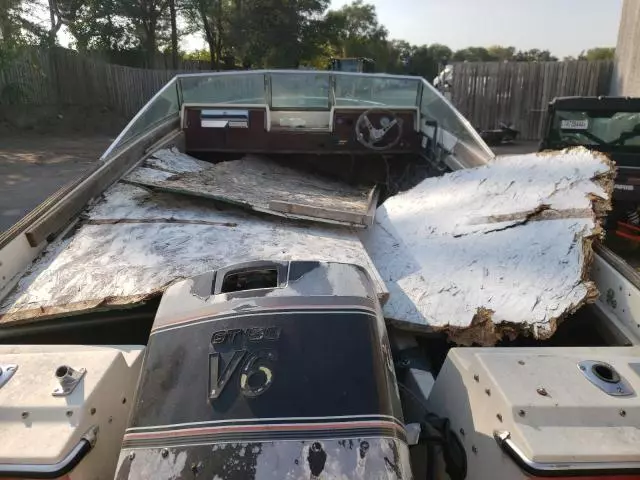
<point x="209" y="437"/>
<point x="258" y="421"/>
<point x="268" y="435"/>
<point x="262" y="428"/>
<point x="358" y="436"/>
<point x="299" y="309"/>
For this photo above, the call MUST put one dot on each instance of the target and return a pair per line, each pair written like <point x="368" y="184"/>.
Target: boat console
<point x="340" y="130"/>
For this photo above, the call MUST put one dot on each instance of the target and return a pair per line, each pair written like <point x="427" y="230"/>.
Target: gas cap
<point x="606" y="378"/>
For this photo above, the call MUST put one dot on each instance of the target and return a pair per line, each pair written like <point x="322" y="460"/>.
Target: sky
<point x="565" y="27"/>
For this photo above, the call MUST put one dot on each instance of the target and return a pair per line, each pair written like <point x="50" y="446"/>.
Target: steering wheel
<point x="382" y="137"/>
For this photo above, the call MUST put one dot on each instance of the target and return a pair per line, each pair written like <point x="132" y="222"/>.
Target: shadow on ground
<point x="34" y="166"/>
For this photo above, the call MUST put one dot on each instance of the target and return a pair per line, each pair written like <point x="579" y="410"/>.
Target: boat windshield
<point x="304" y="90"/>
<point x="301" y="90"/>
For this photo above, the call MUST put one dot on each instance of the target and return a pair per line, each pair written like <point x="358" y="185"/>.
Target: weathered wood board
<point x="494" y="250"/>
<point x="135" y="242"/>
<point x="259" y="184"/>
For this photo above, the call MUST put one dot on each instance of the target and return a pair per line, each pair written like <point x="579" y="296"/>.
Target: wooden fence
<point x="486" y="93"/>
<point x="518" y="92"/>
<point x="63" y="77"/>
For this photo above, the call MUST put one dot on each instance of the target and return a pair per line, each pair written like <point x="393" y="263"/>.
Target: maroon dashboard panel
<point x="254" y="138"/>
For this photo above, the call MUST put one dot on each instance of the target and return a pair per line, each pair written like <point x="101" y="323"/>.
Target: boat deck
<point x="136" y="241"/>
<point x="478" y="254"/>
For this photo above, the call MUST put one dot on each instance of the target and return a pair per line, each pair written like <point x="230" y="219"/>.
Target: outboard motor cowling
<point x="268" y="370"/>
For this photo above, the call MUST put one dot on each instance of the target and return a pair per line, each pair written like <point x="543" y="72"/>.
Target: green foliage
<point x="501" y="54"/>
<point x="200" y="55"/>
<point x="599" y="53"/>
<point x="497" y="53"/>
<point x="100" y="26"/>
<point x="357" y="32"/>
<point x="535" y="55"/>
<point x="17" y="25"/>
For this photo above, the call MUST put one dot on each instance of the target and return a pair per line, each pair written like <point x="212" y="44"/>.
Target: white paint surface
<point x="50" y="432"/>
<point x="452" y="244"/>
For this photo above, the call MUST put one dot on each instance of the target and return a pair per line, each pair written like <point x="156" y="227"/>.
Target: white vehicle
<point x="276" y="275"/>
<point x="444" y="81"/>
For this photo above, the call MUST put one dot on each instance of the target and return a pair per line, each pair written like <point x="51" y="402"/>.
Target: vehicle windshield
<point x="609" y="130"/>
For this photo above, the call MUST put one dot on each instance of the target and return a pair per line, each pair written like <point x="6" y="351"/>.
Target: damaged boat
<point x="318" y="275"/>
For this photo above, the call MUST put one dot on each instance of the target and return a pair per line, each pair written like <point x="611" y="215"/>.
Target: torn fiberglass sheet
<point x="262" y="185"/>
<point x="135" y="242"/>
<point x="494" y="250"/>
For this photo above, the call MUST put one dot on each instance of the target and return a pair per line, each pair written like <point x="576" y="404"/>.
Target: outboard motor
<point x="268" y="370"/>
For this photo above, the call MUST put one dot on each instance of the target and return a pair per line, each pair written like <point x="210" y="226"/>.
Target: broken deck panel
<point x="135" y="242"/>
<point x="175" y="161"/>
<point x="488" y="251"/>
<point x="262" y="185"/>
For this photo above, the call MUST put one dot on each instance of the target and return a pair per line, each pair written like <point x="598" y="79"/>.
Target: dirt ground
<point x="34" y="166"/>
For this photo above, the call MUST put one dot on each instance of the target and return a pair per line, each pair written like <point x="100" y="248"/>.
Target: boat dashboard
<point x="339" y="129"/>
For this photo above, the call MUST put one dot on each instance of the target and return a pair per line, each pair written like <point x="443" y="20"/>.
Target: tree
<point x="99" y="26"/>
<point x="497" y="53"/>
<point x="200" y="14"/>
<point x="424" y="62"/>
<point x="147" y="18"/>
<point x="280" y="33"/>
<point x="63" y="12"/>
<point x="535" y="55"/>
<point x="440" y="53"/>
<point x="598" y="53"/>
<point x="17" y="24"/>
<point x="174" y="34"/>
<point x="11" y="16"/>
<point x="472" y="54"/>
<point x="501" y="54"/>
<point x="359" y="34"/>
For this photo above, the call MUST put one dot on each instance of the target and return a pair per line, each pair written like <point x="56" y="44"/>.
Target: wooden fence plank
<point x="518" y="92"/>
<point x="59" y="76"/>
